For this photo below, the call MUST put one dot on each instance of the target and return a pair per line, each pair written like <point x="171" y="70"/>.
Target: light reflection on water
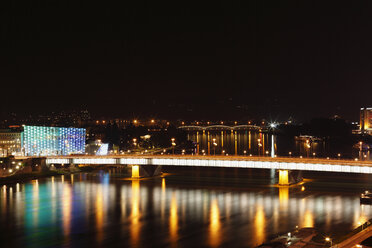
<point x="66" y="209"/>
<point x="173" y="221"/>
<point x="98" y="211"/>
<point x="135" y="214"/>
<point x="246" y="142"/>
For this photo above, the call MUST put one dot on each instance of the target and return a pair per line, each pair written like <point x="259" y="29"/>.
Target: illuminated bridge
<point x="154" y="162"/>
<point x="220" y="127"/>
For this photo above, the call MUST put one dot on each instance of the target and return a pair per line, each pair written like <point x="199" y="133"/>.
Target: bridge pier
<point x="283" y="178"/>
<point x="139" y="171"/>
<point x="288" y="177"/>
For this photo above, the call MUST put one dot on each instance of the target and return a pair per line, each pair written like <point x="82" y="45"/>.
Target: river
<point x="183" y="208"/>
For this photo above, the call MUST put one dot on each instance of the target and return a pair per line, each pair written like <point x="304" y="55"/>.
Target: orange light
<point x="215" y="225"/>
<point x="283" y="177"/>
<point x="135" y="171"/>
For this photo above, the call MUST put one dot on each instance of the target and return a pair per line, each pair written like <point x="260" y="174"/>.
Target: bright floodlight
<point x="273" y="125"/>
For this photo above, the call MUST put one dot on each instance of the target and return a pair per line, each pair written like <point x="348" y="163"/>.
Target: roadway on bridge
<point x="280" y="163"/>
<point x="226" y="158"/>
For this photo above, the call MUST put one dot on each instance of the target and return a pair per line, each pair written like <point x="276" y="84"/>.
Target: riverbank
<point x="23" y="177"/>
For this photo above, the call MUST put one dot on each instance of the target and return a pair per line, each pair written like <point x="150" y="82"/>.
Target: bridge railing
<point x="223" y="161"/>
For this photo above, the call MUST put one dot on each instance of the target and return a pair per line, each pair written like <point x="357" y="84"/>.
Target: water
<point x="184" y="208"/>
<point x="246" y="142"/>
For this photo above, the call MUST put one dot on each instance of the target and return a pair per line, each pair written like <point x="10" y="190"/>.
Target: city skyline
<point x="173" y="61"/>
<point x="185" y="124"/>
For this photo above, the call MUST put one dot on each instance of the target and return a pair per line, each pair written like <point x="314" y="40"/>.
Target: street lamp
<point x="273" y="125"/>
<point x="290" y="154"/>
<point x="361" y="149"/>
<point x="214" y="146"/>
<point x="173" y="144"/>
<point x="259" y="145"/>
<point x="328" y="239"/>
<point x="308" y="146"/>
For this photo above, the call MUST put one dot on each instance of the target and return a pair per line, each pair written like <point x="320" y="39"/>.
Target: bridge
<point x="150" y="165"/>
<point x="220" y="127"/>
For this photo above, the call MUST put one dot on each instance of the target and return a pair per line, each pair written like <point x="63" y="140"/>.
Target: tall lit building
<point x="366" y="120"/>
<point x="46" y="141"/>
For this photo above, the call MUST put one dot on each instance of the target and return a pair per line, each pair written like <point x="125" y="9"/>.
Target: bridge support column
<point x="135" y="171"/>
<point x="139" y="171"/>
<point x="288" y="177"/>
<point x="283" y="178"/>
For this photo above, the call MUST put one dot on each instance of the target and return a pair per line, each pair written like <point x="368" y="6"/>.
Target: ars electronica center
<point x="46" y="141"/>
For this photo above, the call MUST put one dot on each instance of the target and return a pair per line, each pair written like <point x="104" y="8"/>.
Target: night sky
<point x="187" y="59"/>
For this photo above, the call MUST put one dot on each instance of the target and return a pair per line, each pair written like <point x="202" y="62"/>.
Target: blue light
<point x="46" y="141"/>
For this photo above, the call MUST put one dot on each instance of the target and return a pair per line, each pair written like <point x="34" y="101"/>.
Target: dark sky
<point x="192" y="59"/>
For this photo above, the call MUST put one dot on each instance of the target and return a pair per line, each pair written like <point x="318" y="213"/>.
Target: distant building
<point x="366" y="120"/>
<point x="10" y="142"/>
<point x="75" y="118"/>
<point x="43" y="141"/>
<point x="97" y="148"/>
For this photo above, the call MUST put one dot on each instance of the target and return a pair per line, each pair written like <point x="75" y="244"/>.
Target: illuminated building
<point x="366" y="120"/>
<point x="10" y="142"/>
<point x="102" y="150"/>
<point x="97" y="148"/>
<point x="42" y="141"/>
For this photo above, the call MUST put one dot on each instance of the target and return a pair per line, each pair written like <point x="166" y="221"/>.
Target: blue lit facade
<point x="49" y="141"/>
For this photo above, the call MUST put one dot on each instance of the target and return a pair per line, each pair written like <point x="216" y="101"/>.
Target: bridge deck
<point x="285" y="163"/>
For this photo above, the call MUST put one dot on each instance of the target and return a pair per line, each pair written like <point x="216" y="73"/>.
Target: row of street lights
<point x="173" y="143"/>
